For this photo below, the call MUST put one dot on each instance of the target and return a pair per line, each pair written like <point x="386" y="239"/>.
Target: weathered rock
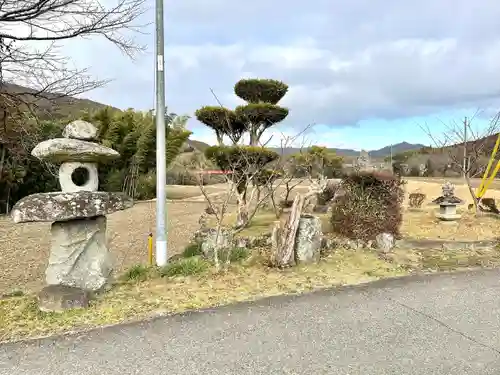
<point x="66" y="171"/>
<point x="308" y="239"/>
<point x="80" y="129"/>
<point x="223" y="241"/>
<point x="385" y="242"/>
<point x="59" y="150"/>
<point x="58" y="298"/>
<point x="79" y="256"/>
<point x="60" y="206"/>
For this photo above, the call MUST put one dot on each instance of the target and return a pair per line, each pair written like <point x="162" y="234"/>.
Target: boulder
<point x="385" y="242"/>
<point x="59" y="150"/>
<point x="79" y="256"/>
<point x="58" y="298"/>
<point x="210" y="241"/>
<point x="80" y="129"/>
<point x="61" y="206"/>
<point x="308" y="240"/>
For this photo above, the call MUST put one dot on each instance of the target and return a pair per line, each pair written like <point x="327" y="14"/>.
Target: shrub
<point x="184" y="267"/>
<point x="414" y="171"/>
<point x="371" y="205"/>
<point x="489" y="205"/>
<point x="416" y="200"/>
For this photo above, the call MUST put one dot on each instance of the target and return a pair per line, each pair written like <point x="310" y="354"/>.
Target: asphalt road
<point x="446" y="324"/>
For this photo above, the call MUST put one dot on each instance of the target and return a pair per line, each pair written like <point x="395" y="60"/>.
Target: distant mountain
<point x="396" y="149"/>
<point x="380" y="153"/>
<point x="49" y="105"/>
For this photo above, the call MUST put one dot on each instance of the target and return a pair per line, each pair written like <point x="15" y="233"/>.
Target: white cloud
<point x="345" y="62"/>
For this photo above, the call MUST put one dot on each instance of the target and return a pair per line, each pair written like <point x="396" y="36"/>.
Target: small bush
<point x="138" y="272"/>
<point x="371" y="205"/>
<point x="184" y="267"/>
<point x="415" y="171"/>
<point x="416" y="200"/>
<point x="489" y="205"/>
<point x="191" y="250"/>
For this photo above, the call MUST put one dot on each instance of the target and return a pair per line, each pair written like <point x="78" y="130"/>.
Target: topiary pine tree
<point x="259" y="114"/>
<point x="261" y="111"/>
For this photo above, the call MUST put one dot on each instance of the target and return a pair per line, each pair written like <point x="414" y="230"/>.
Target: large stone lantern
<point x="79" y="261"/>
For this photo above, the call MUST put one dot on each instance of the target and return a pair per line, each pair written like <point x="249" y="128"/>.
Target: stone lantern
<point x="79" y="262"/>
<point x="448" y="203"/>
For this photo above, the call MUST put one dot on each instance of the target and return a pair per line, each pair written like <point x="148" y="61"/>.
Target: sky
<point x="362" y="74"/>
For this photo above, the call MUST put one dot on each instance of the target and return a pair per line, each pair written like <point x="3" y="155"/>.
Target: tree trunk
<point x="283" y="239"/>
<point x="254" y="139"/>
<point x="241" y="211"/>
<point x="220" y="138"/>
<point x="475" y="200"/>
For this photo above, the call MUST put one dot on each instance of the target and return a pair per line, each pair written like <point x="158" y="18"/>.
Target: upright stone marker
<point x="79" y="256"/>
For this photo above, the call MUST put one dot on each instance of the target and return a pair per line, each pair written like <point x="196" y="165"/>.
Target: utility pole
<point x="465" y="149"/>
<point x="161" y="163"/>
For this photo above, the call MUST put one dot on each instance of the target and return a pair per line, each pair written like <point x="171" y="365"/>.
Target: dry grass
<point x="20" y="318"/>
<point x="131" y="301"/>
<point x="423" y="223"/>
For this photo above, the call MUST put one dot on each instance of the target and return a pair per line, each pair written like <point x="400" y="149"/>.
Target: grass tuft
<point x="191" y="250"/>
<point x="137" y="272"/>
<point x="237" y="254"/>
<point x="185" y="267"/>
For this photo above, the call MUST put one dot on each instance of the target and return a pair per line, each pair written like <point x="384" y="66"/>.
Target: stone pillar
<point x="79" y="256"/>
<point x="308" y="239"/>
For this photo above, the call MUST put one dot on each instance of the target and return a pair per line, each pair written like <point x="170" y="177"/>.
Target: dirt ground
<point x="24" y="247"/>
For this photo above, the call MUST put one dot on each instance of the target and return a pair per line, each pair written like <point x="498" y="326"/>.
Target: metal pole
<point x="465" y="148"/>
<point x="161" y="165"/>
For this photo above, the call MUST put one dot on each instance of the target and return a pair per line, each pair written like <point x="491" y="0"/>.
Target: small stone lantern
<point x="79" y="261"/>
<point x="448" y="203"/>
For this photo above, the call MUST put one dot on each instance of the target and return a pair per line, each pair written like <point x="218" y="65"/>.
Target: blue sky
<point x="368" y="73"/>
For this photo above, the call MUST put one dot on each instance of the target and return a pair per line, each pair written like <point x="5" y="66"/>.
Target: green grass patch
<point x="138" y="272"/>
<point x="185" y="267"/>
<point x="192" y="250"/>
<point x="236" y="254"/>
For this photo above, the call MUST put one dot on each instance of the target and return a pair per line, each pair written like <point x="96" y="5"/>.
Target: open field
<point x="495" y="185"/>
<point x="24" y="247"/>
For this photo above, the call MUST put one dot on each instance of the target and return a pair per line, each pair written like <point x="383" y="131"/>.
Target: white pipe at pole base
<point x="161" y="253"/>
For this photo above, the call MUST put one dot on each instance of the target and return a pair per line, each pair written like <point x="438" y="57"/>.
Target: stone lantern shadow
<point x="80" y="263"/>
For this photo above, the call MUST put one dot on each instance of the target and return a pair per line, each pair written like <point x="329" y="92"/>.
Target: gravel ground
<point x="24" y="248"/>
